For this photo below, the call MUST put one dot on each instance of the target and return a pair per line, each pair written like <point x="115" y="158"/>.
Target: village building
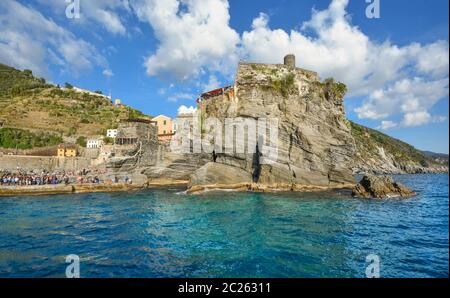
<point x="117" y="102"/>
<point x="134" y="131"/>
<point x="67" y="150"/>
<point x="166" y="127"/>
<point x="94" y="143"/>
<point x="111" y="133"/>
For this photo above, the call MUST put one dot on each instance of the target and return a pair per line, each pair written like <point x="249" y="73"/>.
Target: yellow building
<point x="67" y="150"/>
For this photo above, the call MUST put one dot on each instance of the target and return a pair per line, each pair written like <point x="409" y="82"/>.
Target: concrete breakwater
<point x="6" y="191"/>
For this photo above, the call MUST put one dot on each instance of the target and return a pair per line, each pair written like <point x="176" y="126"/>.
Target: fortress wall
<point x="39" y="163"/>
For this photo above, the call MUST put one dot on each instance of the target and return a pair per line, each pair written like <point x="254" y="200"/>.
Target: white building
<point x="111" y="133"/>
<point x="94" y="144"/>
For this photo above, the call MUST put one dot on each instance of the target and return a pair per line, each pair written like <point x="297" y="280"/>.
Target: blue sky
<point x="159" y="55"/>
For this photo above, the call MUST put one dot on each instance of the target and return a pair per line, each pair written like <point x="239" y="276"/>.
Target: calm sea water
<point x="165" y="233"/>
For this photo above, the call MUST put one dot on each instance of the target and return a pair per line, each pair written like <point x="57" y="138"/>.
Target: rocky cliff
<point x="380" y="154"/>
<point x="314" y="144"/>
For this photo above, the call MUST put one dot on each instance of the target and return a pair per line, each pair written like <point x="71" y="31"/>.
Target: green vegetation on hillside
<point x="14" y="82"/>
<point x="82" y="141"/>
<point x="23" y="139"/>
<point x="368" y="140"/>
<point x="284" y="85"/>
<point x="30" y="103"/>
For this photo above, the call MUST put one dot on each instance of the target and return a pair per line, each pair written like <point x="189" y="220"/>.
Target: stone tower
<point x="289" y="60"/>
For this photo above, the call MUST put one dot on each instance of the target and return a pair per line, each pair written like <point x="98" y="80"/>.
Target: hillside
<point x="380" y="153"/>
<point x="29" y="103"/>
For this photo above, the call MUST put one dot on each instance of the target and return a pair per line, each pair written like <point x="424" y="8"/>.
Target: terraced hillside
<point x="29" y="103"/>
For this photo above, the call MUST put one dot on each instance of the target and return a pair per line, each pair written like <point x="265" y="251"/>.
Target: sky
<point x="159" y="55"/>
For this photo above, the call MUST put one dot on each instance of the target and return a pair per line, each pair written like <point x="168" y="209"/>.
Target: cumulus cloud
<point x="410" y="97"/>
<point x="103" y="12"/>
<point x="194" y="37"/>
<point x="406" y="80"/>
<point x="183" y="110"/>
<point x="28" y="39"/>
<point x="420" y="118"/>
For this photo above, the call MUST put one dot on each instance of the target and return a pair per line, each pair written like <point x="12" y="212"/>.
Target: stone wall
<point x="38" y="163"/>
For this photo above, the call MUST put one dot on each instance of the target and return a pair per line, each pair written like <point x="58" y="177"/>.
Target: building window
<point x="164" y="122"/>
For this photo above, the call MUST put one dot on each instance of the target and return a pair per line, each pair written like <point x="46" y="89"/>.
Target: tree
<point x="108" y="140"/>
<point x="68" y="86"/>
<point x="81" y="141"/>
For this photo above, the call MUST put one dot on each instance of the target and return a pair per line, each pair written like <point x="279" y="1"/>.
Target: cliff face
<point x="380" y="154"/>
<point x="315" y="145"/>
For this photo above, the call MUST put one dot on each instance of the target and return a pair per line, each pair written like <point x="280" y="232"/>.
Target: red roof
<point x="213" y="93"/>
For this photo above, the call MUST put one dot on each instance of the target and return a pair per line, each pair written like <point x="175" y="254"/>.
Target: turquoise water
<point x="165" y="233"/>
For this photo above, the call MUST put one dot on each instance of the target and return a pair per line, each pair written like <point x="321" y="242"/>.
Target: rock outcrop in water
<point x="314" y="143"/>
<point x="380" y="187"/>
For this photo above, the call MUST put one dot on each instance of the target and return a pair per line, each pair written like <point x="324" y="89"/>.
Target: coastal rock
<point x="380" y="187"/>
<point x="216" y="173"/>
<point x="171" y="168"/>
<point x="314" y="143"/>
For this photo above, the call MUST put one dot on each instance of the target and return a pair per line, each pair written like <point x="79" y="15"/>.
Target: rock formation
<point x="380" y="187"/>
<point x="314" y="144"/>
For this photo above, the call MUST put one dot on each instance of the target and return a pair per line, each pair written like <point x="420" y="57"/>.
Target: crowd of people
<point x="22" y="178"/>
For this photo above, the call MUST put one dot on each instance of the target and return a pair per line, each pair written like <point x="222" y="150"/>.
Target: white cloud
<point x="385" y="125"/>
<point x="180" y="96"/>
<point x="194" y="37"/>
<point x="103" y="12"/>
<point x="29" y="40"/>
<point x="416" y="119"/>
<point x="197" y="41"/>
<point x="212" y="84"/>
<point x="420" y="118"/>
<point x="183" y="110"/>
<point x="108" y="73"/>
<point x="404" y="96"/>
<point x="395" y="79"/>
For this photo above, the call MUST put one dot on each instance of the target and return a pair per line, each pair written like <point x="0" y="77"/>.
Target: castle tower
<point x="289" y="60"/>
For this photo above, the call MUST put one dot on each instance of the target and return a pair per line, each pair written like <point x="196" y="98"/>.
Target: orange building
<point x="67" y="150"/>
<point x="166" y="128"/>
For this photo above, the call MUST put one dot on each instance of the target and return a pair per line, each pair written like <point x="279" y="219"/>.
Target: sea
<point x="168" y="233"/>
